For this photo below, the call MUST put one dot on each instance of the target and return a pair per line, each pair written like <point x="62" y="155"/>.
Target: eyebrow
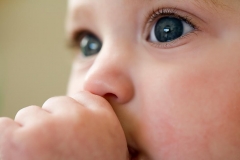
<point x="214" y="4"/>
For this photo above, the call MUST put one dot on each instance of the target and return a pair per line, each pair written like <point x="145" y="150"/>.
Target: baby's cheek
<point x="208" y="111"/>
<point x="198" y="115"/>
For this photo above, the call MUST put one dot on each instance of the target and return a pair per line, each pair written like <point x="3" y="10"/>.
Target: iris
<point x="168" y="29"/>
<point x="90" y="45"/>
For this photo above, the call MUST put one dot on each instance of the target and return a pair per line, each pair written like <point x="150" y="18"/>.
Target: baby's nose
<point x="110" y="77"/>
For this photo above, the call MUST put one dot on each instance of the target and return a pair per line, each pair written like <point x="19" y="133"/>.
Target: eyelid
<point x="156" y="14"/>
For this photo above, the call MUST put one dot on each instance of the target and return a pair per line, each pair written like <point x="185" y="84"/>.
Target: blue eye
<point x="168" y="29"/>
<point x="90" y="45"/>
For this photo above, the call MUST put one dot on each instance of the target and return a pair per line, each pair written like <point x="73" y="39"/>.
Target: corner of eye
<point x="69" y="43"/>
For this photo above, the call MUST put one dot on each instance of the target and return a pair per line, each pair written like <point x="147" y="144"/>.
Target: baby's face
<point x="170" y="69"/>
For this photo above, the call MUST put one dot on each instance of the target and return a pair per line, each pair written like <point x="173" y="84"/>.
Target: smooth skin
<point x="178" y="100"/>
<point x="83" y="126"/>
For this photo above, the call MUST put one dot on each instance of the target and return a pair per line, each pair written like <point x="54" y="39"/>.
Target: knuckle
<point x="6" y="121"/>
<point x="54" y="100"/>
<point x="7" y="124"/>
<point x="57" y="103"/>
<point x="22" y="112"/>
<point x="7" y="130"/>
<point x="51" y="101"/>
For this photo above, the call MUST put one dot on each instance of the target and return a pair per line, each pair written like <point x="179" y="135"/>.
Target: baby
<point x="151" y="80"/>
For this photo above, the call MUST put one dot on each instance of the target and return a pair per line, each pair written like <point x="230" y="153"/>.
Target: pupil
<point x="168" y="29"/>
<point x="90" y="45"/>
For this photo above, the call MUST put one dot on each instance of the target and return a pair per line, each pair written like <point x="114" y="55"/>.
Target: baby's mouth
<point x="132" y="153"/>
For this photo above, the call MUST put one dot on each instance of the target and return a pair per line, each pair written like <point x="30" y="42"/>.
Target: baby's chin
<point x="174" y="152"/>
<point x="181" y="154"/>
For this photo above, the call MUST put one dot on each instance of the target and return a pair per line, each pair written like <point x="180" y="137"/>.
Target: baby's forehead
<point x="213" y="4"/>
<point x="81" y="8"/>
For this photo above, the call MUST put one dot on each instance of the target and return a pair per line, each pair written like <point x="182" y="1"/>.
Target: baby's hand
<point x="83" y="127"/>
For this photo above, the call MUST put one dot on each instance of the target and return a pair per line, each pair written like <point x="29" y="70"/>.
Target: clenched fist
<point x="82" y="127"/>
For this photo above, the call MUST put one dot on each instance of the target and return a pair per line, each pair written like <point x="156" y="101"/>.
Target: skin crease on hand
<point x="175" y="101"/>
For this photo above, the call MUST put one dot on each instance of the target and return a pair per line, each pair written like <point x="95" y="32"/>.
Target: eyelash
<point x="158" y="13"/>
<point x="75" y="38"/>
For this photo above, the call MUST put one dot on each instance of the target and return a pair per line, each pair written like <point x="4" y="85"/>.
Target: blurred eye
<point x="168" y="29"/>
<point x="90" y="45"/>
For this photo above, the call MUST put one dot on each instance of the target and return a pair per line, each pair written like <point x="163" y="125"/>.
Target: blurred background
<point x="34" y="58"/>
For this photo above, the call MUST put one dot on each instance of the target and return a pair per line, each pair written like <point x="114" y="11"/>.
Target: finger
<point x="92" y="101"/>
<point x="7" y="130"/>
<point x="30" y="115"/>
<point x="7" y="123"/>
<point x="61" y="105"/>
